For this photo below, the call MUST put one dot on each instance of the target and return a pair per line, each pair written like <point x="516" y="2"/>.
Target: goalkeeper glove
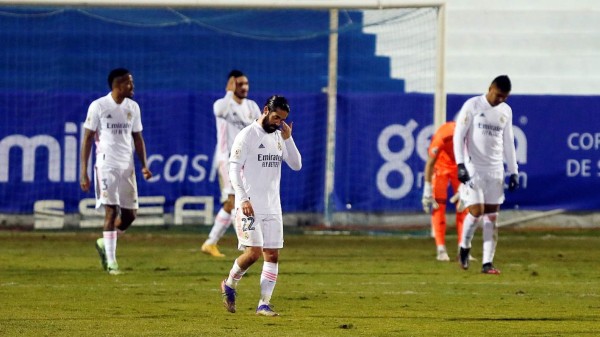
<point x="427" y="200"/>
<point x="513" y="182"/>
<point x="456" y="199"/>
<point x="463" y="174"/>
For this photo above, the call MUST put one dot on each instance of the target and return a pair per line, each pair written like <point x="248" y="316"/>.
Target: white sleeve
<point x="221" y="106"/>
<point x="463" y="122"/>
<point x="291" y="155"/>
<point x="137" y="122"/>
<point x="235" y="175"/>
<point x="509" y="148"/>
<point x="237" y="158"/>
<point x="93" y="117"/>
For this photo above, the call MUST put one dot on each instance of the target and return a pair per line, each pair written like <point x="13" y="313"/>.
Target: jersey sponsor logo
<point x="489" y="130"/>
<point x="269" y="160"/>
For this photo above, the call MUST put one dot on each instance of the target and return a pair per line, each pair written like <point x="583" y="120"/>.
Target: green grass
<point x="51" y="284"/>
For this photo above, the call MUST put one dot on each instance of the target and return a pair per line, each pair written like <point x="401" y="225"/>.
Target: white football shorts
<point x="262" y="230"/>
<point x="484" y="188"/>
<point x="115" y="187"/>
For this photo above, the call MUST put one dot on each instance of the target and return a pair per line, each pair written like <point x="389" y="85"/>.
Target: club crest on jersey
<point x="502" y="119"/>
<point x="237" y="153"/>
<point x="279" y="146"/>
<point x="129" y="116"/>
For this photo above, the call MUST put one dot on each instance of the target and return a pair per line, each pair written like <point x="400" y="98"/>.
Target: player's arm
<point x="140" y="150"/>
<point x="510" y="155"/>
<point x="221" y="107"/>
<point x="86" y="149"/>
<point x="463" y="123"/>
<point x="427" y="199"/>
<point x="291" y="154"/>
<point x="236" y="163"/>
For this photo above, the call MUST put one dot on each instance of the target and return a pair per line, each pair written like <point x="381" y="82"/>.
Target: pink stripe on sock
<point x="269" y="276"/>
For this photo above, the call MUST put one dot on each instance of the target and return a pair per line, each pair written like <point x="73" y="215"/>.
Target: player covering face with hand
<point x="255" y="171"/>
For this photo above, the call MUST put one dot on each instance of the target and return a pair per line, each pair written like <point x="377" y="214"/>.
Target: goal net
<point x="388" y="84"/>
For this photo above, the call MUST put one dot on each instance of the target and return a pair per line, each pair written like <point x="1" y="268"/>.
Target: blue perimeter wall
<point x="380" y="152"/>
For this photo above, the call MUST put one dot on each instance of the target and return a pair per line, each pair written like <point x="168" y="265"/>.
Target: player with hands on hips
<point x="255" y="171"/>
<point x="482" y="140"/>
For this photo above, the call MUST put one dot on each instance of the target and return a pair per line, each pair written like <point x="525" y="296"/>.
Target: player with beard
<point x="255" y="172"/>
<point x="232" y="113"/>
<point x="113" y="121"/>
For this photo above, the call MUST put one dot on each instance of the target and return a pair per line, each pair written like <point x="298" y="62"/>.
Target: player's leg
<point x="250" y="240"/>
<point x="494" y="197"/>
<point x="109" y="236"/>
<point x="439" y="182"/>
<point x="106" y="187"/>
<point x="272" y="227"/>
<point x="490" y="239"/>
<point x="474" y="199"/>
<point x="223" y="218"/>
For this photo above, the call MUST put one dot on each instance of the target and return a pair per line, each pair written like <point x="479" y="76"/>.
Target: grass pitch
<point x="51" y="284"/>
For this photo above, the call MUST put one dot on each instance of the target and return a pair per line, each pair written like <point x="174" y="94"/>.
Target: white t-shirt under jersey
<point x="484" y="136"/>
<point x="113" y="124"/>
<point x="259" y="154"/>
<point x="231" y="119"/>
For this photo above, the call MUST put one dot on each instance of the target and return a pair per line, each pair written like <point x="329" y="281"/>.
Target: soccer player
<point x="255" y="172"/>
<point x="114" y="123"/>
<point x="482" y="138"/>
<point x="232" y="113"/>
<point x="440" y="170"/>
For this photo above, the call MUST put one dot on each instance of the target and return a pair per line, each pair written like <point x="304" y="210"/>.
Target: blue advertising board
<point x="379" y="158"/>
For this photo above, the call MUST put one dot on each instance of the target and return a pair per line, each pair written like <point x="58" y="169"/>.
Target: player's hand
<point x="146" y="173"/>
<point x="286" y="130"/>
<point x="247" y="208"/>
<point x="463" y="174"/>
<point x="230" y="84"/>
<point x="427" y="200"/>
<point x="84" y="182"/>
<point x="456" y="199"/>
<point x="513" y="182"/>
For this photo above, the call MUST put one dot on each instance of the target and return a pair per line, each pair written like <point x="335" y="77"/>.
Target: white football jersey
<point x="260" y="154"/>
<point x="231" y="118"/>
<point x="484" y="136"/>
<point x="113" y="124"/>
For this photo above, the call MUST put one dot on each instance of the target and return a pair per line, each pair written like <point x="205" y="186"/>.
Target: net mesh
<point x="55" y="61"/>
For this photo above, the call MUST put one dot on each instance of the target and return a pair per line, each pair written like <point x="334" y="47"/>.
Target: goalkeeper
<point x="440" y="170"/>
